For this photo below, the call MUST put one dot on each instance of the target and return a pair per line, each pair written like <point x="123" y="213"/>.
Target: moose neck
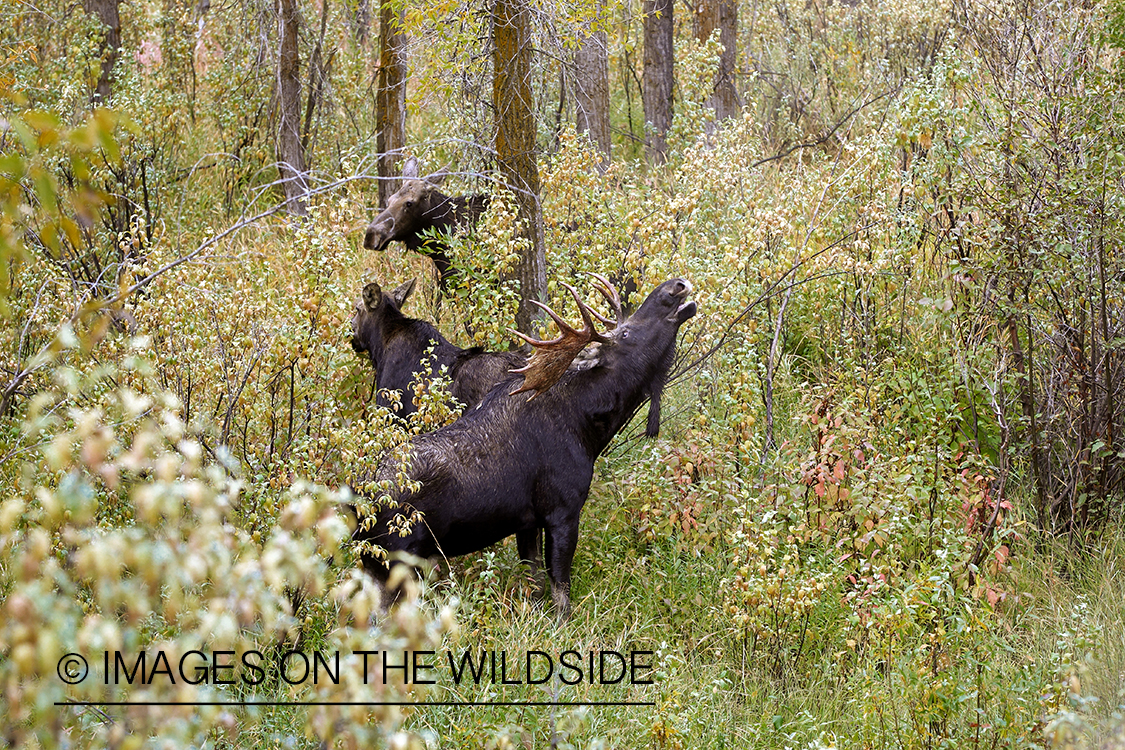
<point x="412" y="336"/>
<point x="443" y="214"/>
<point x="602" y="400"/>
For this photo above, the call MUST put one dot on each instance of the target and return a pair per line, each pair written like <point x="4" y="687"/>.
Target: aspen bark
<point x="657" y="80"/>
<point x="390" y="99"/>
<point x="290" y="154"/>
<point x="721" y="16"/>
<point x="591" y="90"/>
<point x="515" y="144"/>
<point x="107" y="13"/>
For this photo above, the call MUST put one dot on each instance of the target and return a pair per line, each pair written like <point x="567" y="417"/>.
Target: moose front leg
<point x="562" y="539"/>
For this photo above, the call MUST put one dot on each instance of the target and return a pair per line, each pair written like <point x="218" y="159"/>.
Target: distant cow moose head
<point x="396" y="345"/>
<point x="524" y="458"/>
<point x="418" y="210"/>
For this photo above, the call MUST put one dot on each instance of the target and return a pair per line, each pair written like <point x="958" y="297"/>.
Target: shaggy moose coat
<point x="518" y="464"/>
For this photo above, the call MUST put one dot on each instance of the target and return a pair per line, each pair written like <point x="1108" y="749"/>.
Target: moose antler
<point x="610" y="293"/>
<point x="550" y="359"/>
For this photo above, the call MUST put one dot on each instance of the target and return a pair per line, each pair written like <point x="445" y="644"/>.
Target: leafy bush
<point x="884" y="508"/>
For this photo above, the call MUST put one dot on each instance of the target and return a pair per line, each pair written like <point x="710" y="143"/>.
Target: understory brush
<point x="884" y="509"/>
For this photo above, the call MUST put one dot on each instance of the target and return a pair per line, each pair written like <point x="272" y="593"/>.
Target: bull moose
<point x="418" y="211"/>
<point x="397" y="344"/>
<point x="524" y="458"/>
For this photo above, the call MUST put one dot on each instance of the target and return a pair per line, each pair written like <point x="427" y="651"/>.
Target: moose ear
<point x="410" y="169"/>
<point x="372" y="293"/>
<point x="439" y="176"/>
<point x="400" y="294"/>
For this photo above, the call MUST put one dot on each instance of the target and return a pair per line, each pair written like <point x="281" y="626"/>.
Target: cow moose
<point x="418" y="210"/>
<point x="518" y="463"/>
<point x="397" y="344"/>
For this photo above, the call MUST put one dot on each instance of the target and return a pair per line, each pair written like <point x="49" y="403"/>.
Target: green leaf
<point x="42" y="121"/>
<point x="26" y="135"/>
<point x="45" y="187"/>
<point x="104" y="123"/>
<point x="13" y="165"/>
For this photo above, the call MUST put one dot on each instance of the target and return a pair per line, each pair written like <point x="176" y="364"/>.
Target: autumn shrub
<point x="898" y="391"/>
<point x="161" y="503"/>
<point x="814" y="66"/>
<point x="484" y="289"/>
<point x="126" y="539"/>
<point x="51" y="267"/>
<point x="1028" y="257"/>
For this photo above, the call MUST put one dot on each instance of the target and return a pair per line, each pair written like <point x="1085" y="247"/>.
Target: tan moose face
<point x="403" y="215"/>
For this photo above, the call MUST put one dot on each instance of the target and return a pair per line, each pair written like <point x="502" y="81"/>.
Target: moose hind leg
<point x="528" y="545"/>
<point x="562" y="539"/>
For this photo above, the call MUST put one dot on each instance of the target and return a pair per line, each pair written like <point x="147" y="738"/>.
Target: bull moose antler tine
<point x="564" y="327"/>
<point x="610" y="293"/>
<point x="586" y="311"/>
<point x="550" y="359"/>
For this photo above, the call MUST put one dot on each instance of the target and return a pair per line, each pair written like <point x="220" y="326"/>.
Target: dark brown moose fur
<point x="396" y="345"/>
<point x="416" y="212"/>
<point x="517" y="464"/>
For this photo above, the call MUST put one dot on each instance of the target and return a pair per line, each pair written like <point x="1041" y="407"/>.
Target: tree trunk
<point x="107" y="13"/>
<point x="657" y="94"/>
<point x="390" y="99"/>
<point x="515" y="144"/>
<point x="591" y="90"/>
<point x="290" y="155"/>
<point x="318" y="74"/>
<point x="720" y="15"/>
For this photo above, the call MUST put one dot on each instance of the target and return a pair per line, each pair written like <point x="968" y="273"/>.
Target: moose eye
<point x="409" y="204"/>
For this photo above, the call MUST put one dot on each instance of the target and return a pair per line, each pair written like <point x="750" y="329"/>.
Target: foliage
<point x="485" y="261"/>
<point x="884" y="508"/>
<point x="128" y="543"/>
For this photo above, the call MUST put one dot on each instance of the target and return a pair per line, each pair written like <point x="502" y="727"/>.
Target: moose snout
<point x="679" y="289"/>
<point x="379" y="233"/>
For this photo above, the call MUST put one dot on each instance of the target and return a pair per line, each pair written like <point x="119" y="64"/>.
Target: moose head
<point x="418" y="210"/>
<point x="396" y="344"/>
